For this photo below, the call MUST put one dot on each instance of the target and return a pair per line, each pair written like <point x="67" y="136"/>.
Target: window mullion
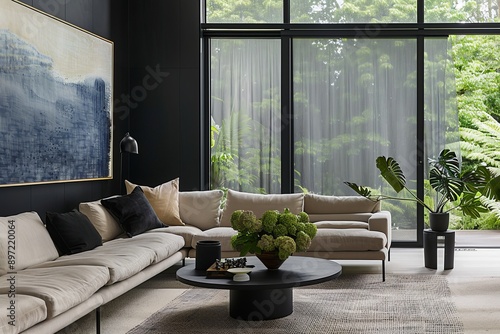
<point x="287" y="165"/>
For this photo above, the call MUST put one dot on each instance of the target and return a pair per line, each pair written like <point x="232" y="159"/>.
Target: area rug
<point x="350" y="304"/>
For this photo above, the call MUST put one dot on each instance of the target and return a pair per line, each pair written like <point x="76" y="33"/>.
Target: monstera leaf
<point x="471" y="205"/>
<point x="449" y="186"/>
<point x="363" y="191"/>
<point x="392" y="173"/>
<point x="446" y="163"/>
<point x="444" y="176"/>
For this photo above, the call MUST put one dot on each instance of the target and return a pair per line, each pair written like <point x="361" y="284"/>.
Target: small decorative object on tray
<point x="240" y="274"/>
<point x="220" y="267"/>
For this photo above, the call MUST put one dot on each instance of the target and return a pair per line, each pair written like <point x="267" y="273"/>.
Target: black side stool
<point x="430" y="248"/>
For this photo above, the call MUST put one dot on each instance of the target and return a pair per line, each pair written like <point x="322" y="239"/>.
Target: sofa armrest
<point x="381" y="221"/>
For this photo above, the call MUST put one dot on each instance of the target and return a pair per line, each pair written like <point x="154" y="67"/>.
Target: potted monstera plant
<point x="464" y="190"/>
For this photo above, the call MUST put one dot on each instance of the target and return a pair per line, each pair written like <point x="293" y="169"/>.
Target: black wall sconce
<point x="127" y="145"/>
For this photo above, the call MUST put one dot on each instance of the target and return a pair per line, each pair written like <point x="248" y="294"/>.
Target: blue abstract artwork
<point x="55" y="119"/>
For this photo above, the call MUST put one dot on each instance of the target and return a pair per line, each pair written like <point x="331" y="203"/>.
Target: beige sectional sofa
<point x="349" y="227"/>
<point x="49" y="291"/>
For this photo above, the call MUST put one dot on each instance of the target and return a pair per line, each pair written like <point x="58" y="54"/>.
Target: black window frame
<point x="286" y="32"/>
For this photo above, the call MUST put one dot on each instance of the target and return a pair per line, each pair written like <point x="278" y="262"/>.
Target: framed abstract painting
<point x="56" y="84"/>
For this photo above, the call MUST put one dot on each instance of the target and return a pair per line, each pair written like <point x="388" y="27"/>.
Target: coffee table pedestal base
<point x="257" y="305"/>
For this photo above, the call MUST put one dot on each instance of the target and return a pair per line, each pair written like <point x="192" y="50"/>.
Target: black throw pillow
<point x="72" y="232"/>
<point x="133" y="212"/>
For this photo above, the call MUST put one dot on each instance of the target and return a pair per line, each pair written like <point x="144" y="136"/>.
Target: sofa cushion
<point x="61" y="288"/>
<point x="259" y="204"/>
<point x="28" y="311"/>
<point x="31" y="239"/>
<point x="103" y="221"/>
<point x="222" y="234"/>
<point x="358" y="217"/>
<point x="341" y="224"/>
<point x="124" y="257"/>
<point x="320" y="204"/>
<point x="337" y="240"/>
<point x="133" y="211"/>
<point x="164" y="199"/>
<point x="161" y="242"/>
<point x="201" y="208"/>
<point x="72" y="232"/>
<point x="186" y="232"/>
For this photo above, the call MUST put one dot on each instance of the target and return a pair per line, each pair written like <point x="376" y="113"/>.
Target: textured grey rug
<point x="351" y="304"/>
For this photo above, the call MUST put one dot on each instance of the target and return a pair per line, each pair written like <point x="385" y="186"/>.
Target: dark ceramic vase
<point x="270" y="259"/>
<point x="439" y="222"/>
<point x="207" y="251"/>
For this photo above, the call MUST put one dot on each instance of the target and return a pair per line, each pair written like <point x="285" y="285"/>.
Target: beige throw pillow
<point x="200" y="208"/>
<point x="103" y="221"/>
<point x="30" y="238"/>
<point x="164" y="199"/>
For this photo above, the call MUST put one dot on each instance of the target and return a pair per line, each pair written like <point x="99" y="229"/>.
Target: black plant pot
<point x="439" y="222"/>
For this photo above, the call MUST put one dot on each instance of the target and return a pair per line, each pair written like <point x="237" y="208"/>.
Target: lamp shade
<point x="129" y="144"/>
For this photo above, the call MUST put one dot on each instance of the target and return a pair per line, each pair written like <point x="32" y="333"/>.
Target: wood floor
<point x="477" y="239"/>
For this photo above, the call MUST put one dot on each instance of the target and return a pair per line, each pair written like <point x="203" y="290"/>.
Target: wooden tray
<point x="213" y="272"/>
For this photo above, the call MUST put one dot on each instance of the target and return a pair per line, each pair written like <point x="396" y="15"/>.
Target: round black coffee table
<point x="269" y="293"/>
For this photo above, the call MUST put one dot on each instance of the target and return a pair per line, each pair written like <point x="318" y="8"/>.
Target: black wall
<point x="149" y="36"/>
<point x="164" y="37"/>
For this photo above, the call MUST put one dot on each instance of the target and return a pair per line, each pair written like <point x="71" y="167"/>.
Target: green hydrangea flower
<point x="280" y="230"/>
<point x="311" y="230"/>
<point x="290" y="221"/>
<point x="302" y="241"/>
<point x="286" y="247"/>
<point x="269" y="220"/>
<point x="256" y="226"/>
<point x="235" y="219"/>
<point x="303" y="217"/>
<point x="266" y="243"/>
<point x="247" y="220"/>
<point x="287" y="218"/>
<point x="300" y="227"/>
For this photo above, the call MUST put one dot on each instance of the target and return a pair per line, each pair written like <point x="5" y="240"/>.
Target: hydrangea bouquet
<point x="284" y="233"/>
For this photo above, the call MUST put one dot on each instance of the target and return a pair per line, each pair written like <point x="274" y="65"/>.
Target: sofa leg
<point x="389" y="255"/>
<point x="183" y="262"/>
<point x="98" y="320"/>
<point x="383" y="270"/>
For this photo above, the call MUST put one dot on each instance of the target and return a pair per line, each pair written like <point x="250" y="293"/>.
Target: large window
<point x="359" y="11"/>
<point x="346" y="95"/>
<point x="246" y="114"/>
<point x="462" y="11"/>
<point x="354" y="100"/>
<point x="305" y="95"/>
<point x="244" y="11"/>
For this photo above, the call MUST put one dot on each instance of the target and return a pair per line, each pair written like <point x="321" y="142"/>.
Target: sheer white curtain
<point x="441" y="112"/>
<point x="355" y="100"/>
<point x="246" y="111"/>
